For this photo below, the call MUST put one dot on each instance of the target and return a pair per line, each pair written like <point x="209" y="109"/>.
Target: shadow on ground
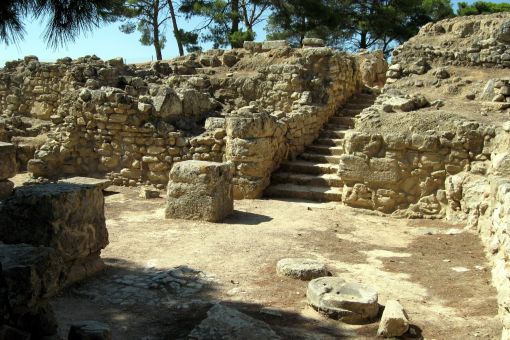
<point x="167" y="303"/>
<point x="246" y="218"/>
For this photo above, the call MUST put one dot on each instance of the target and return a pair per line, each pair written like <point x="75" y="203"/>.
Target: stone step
<point x="313" y="193"/>
<point x="340" y="120"/>
<point x="336" y="127"/>
<point x="304" y="167"/>
<point x="329" y="141"/>
<point x="325" y="150"/>
<point x="332" y="134"/>
<point x="331" y="180"/>
<point x="313" y="157"/>
<point x="349" y="112"/>
<point x="357" y="105"/>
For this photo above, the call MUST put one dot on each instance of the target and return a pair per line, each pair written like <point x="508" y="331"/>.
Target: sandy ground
<point x="437" y="271"/>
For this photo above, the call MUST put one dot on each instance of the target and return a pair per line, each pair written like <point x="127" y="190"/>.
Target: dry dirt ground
<point x="437" y="271"/>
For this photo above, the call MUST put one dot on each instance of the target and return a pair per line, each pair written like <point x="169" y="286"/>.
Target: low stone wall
<point x="407" y="172"/>
<point x="481" y="200"/>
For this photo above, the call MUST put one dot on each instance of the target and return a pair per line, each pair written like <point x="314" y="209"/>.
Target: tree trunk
<point x="363" y="40"/>
<point x="176" y="28"/>
<point x="155" y="27"/>
<point x="235" y="19"/>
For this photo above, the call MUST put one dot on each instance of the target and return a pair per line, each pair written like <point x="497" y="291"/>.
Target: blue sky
<point x="106" y="42"/>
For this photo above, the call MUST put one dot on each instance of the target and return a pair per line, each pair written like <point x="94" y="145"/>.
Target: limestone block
<point x="302" y="269"/>
<point x="273" y="44"/>
<point x="6" y="188"/>
<point x="255" y="125"/>
<point x="7" y="160"/>
<point x="369" y="144"/>
<point x="30" y="273"/>
<point x="349" y="302"/>
<point x="167" y="104"/>
<point x="200" y="190"/>
<point x="196" y="103"/>
<point x="394" y="321"/>
<point x="249" y="150"/>
<point x="371" y="170"/>
<point x="227" y="323"/>
<point x="313" y="42"/>
<point x="67" y="217"/>
<point x="102" y="184"/>
<point x="28" y="276"/>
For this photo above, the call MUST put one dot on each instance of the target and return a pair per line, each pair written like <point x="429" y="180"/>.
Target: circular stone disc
<point x="347" y="301"/>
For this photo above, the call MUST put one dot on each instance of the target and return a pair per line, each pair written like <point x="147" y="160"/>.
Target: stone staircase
<point x="313" y="175"/>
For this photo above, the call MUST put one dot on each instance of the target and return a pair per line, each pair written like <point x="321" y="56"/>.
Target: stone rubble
<point x="226" y="323"/>
<point x="394" y="321"/>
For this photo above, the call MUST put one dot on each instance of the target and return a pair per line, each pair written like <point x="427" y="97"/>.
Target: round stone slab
<point x="302" y="269"/>
<point x="349" y="302"/>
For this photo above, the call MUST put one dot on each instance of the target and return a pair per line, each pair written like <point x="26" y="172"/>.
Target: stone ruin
<point x="263" y="120"/>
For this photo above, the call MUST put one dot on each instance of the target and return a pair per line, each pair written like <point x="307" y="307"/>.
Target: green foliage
<point x="482" y="7"/>
<point x="354" y="24"/>
<point x="189" y="40"/>
<point x="66" y="20"/>
<point x="148" y="18"/>
<point x="225" y="22"/>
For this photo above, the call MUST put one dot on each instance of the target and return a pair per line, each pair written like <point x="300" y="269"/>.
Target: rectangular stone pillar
<point x="7" y="168"/>
<point x="66" y="217"/>
<point x="200" y="190"/>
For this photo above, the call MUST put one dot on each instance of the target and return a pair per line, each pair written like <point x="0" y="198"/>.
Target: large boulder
<point x="200" y="190"/>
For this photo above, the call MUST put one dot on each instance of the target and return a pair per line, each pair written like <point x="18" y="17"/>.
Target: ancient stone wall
<point x="481" y="200"/>
<point x="133" y="122"/>
<point x="481" y="40"/>
<point x="407" y="171"/>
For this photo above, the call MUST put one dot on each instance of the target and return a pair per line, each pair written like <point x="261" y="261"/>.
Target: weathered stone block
<point x="394" y="321"/>
<point x="6" y="188"/>
<point x="373" y="170"/>
<point x="255" y="125"/>
<point x="200" y="191"/>
<point x="28" y="276"/>
<point x="7" y="160"/>
<point x="67" y="217"/>
<point x="273" y="44"/>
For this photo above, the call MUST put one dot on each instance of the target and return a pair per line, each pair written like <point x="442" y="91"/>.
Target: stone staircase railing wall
<point x="407" y="172"/>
